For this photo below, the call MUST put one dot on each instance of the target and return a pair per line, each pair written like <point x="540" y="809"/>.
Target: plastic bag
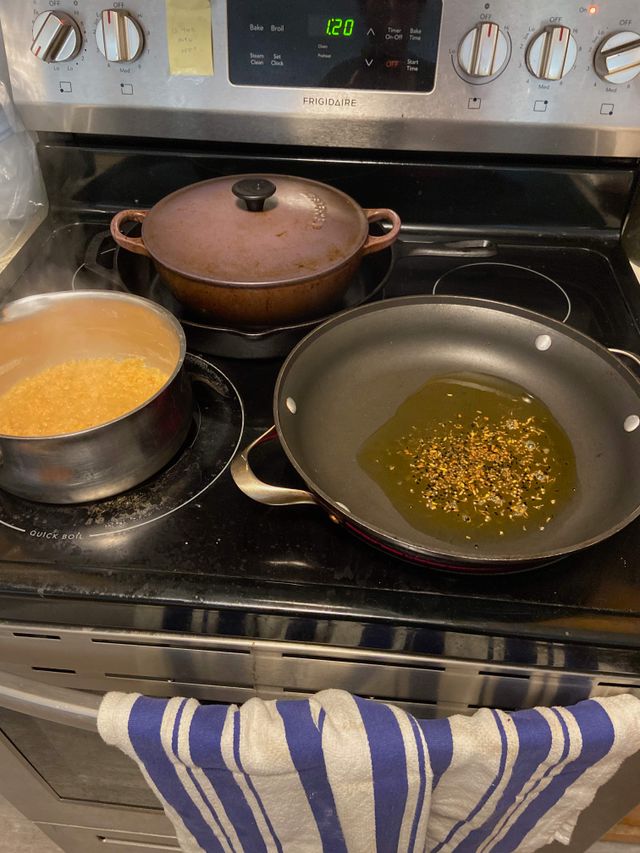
<point x="22" y="193"/>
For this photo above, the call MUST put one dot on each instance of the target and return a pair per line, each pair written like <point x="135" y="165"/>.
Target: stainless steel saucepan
<point x="47" y="329"/>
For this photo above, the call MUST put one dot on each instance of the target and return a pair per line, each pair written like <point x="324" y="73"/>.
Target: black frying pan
<point x="350" y="375"/>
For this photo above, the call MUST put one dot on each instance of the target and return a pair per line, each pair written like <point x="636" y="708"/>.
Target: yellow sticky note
<point x="189" y="37"/>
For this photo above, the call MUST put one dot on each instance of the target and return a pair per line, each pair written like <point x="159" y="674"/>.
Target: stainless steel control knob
<point x="617" y="59"/>
<point x="56" y="37"/>
<point x="119" y="36"/>
<point x="484" y="51"/>
<point x="552" y="53"/>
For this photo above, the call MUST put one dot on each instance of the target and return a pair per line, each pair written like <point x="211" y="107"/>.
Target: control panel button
<point x="56" y="37"/>
<point x="119" y="36"/>
<point x="552" y="53"/>
<point x="618" y="57"/>
<point x="484" y="51"/>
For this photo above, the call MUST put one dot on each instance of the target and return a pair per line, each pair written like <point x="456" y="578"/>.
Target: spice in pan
<point x="473" y="456"/>
<point x="77" y="395"/>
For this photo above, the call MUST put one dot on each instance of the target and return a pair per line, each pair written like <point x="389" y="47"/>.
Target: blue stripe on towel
<point x="207" y="805"/>
<point x="423" y="783"/>
<point x="520" y="828"/>
<point x="236" y="754"/>
<point x="598" y="736"/>
<point x="389" y="770"/>
<point x="534" y="743"/>
<point x="205" y="744"/>
<point x="516" y="833"/>
<point x="488" y="793"/>
<point x="145" y="724"/>
<point x="437" y="734"/>
<point x="305" y="747"/>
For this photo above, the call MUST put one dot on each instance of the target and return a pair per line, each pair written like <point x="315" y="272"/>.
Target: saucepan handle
<point x="264" y="493"/>
<point x="379" y="214"/>
<point x="133" y="244"/>
<point x="626" y="354"/>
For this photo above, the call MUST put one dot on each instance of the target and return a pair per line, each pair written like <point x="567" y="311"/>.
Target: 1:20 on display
<point x="339" y="26"/>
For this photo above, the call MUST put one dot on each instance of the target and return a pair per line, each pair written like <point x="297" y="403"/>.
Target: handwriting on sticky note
<point x="189" y="37"/>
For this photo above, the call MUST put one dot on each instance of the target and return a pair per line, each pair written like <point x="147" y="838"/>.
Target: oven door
<point x="85" y="794"/>
<point x="58" y="772"/>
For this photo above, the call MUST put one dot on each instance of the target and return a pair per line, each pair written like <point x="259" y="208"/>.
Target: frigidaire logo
<point x="311" y="101"/>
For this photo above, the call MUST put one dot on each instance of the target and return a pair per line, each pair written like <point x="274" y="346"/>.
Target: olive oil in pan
<point x="473" y="457"/>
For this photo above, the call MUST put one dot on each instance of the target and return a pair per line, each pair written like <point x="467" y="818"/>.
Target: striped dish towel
<point x="337" y="773"/>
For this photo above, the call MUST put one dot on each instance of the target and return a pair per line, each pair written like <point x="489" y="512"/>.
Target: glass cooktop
<point x="191" y="521"/>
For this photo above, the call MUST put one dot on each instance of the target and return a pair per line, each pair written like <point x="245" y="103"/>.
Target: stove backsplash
<point x="552" y="198"/>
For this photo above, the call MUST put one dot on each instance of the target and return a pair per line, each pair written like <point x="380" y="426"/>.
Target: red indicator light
<point x="593" y="10"/>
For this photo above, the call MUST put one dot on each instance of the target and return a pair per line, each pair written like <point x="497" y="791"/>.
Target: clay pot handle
<point x="133" y="244"/>
<point x="376" y="244"/>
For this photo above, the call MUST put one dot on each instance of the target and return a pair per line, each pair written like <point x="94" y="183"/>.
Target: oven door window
<point x="76" y="764"/>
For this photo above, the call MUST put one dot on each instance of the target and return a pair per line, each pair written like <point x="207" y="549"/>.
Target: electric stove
<point x="190" y="528"/>
<point x="507" y="138"/>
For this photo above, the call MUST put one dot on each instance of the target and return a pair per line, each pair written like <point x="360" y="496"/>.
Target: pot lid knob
<point x="253" y="192"/>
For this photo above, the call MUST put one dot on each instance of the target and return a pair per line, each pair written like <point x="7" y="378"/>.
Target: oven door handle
<point x="47" y="702"/>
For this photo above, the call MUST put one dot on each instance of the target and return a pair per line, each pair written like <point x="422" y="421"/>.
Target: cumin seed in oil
<point x="473" y="457"/>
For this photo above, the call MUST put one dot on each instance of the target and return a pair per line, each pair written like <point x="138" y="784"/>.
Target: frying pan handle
<point x="377" y="214"/>
<point x="626" y="354"/>
<point x="133" y="244"/>
<point x="253" y="488"/>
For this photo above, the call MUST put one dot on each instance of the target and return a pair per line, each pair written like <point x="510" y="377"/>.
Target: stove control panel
<point x="556" y="77"/>
<point x="335" y="45"/>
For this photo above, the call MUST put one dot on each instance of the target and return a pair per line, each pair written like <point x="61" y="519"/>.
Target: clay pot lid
<point x="255" y="229"/>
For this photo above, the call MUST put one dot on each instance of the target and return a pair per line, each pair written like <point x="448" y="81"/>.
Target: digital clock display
<point x="339" y="26"/>
<point x="322" y="26"/>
